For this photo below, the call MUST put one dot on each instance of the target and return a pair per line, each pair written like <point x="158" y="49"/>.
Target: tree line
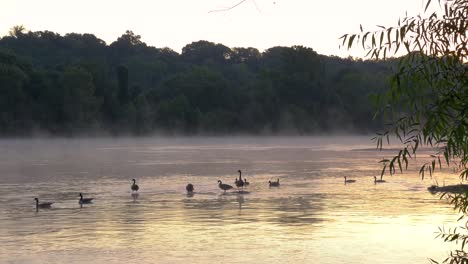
<point x="77" y="84"/>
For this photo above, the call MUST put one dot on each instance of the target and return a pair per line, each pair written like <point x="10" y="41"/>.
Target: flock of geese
<point x="81" y="201"/>
<point x="375" y="180"/>
<point x="239" y="182"/>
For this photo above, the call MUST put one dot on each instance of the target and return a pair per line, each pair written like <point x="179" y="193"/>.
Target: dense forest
<point x="78" y="85"/>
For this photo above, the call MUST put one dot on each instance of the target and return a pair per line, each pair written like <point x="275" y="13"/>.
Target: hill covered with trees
<point x="77" y="84"/>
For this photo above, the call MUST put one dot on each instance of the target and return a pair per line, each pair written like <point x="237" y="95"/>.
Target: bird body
<point x="224" y="186"/>
<point x="274" y="184"/>
<point x="348" y="181"/>
<point x="42" y="205"/>
<point x="378" y="181"/>
<point x="246" y="182"/>
<point x="239" y="182"/>
<point x="189" y="188"/>
<point x="134" y="186"/>
<point x="85" y="200"/>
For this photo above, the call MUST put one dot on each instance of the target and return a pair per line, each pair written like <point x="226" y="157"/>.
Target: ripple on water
<point x="309" y="217"/>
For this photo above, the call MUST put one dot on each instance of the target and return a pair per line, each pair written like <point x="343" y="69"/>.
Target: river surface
<point x="313" y="217"/>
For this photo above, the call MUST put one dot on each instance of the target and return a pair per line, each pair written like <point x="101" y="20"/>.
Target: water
<point x="311" y="218"/>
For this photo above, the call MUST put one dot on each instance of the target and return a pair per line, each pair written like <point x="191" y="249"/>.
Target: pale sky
<point x="174" y="23"/>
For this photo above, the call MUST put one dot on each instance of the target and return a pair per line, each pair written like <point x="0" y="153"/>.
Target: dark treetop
<point x="76" y="84"/>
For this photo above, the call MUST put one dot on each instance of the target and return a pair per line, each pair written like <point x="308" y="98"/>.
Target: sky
<point x="175" y="23"/>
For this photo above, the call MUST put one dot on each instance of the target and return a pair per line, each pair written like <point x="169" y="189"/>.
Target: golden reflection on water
<point x="313" y="217"/>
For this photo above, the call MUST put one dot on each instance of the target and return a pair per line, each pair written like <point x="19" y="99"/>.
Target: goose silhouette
<point x="246" y="182"/>
<point x="348" y="181"/>
<point x="134" y="186"/>
<point x="189" y="188"/>
<point x="239" y="182"/>
<point x="274" y="184"/>
<point x="224" y="186"/>
<point x="85" y="200"/>
<point x="42" y="205"/>
<point x="378" y="181"/>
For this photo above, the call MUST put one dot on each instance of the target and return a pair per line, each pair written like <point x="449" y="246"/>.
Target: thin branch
<point x="227" y="9"/>
<point x="256" y="6"/>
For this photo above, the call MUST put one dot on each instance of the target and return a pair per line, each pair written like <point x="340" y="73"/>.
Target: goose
<point x="85" y="200"/>
<point x="189" y="188"/>
<point x="274" y="184"/>
<point x="378" y="181"/>
<point x="135" y="187"/>
<point x="239" y="182"/>
<point x="224" y="186"/>
<point x="246" y="182"/>
<point x="42" y="205"/>
<point x="348" y="181"/>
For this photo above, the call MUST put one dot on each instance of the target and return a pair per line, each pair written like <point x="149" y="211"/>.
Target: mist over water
<point x="312" y="217"/>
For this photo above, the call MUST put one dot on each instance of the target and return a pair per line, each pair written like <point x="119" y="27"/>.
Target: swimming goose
<point x="42" y="205"/>
<point x="135" y="187"/>
<point x="85" y="200"/>
<point x="224" y="186"/>
<point x="274" y="184"/>
<point x="378" y="181"/>
<point x="189" y="188"/>
<point x="246" y="182"/>
<point x="348" y="181"/>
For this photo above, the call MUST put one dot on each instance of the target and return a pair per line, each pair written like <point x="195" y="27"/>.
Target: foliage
<point x="428" y="98"/>
<point x="76" y="84"/>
